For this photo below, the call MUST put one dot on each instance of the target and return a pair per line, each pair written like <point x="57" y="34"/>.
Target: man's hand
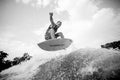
<point x="51" y="18"/>
<point x="51" y="14"/>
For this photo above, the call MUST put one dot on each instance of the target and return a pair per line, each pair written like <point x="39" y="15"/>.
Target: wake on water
<point x="82" y="64"/>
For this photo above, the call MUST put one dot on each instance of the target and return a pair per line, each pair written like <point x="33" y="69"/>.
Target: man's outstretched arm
<point x="51" y="18"/>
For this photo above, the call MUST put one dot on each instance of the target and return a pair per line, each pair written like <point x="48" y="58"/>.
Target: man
<point x="51" y="32"/>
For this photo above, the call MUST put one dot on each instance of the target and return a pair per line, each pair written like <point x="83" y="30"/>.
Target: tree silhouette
<point x="113" y="45"/>
<point x="3" y="55"/>
<point x="4" y="64"/>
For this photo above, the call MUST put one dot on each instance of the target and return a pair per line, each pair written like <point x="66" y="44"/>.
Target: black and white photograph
<point x="59" y="39"/>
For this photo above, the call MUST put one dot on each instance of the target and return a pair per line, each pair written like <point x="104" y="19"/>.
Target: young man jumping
<point x="51" y="32"/>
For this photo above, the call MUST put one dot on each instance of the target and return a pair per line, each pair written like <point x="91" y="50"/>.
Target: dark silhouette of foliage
<point x="113" y="45"/>
<point x="4" y="64"/>
<point x="3" y="55"/>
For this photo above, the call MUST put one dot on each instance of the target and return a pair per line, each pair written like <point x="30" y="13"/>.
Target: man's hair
<point x="59" y="21"/>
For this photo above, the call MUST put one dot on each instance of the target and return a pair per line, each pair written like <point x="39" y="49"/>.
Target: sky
<point x="89" y="23"/>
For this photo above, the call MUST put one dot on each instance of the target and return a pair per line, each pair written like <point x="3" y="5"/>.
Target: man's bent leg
<point x="52" y="33"/>
<point x="60" y="34"/>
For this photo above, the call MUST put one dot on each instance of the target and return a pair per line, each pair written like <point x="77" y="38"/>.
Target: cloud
<point x="115" y="4"/>
<point x="6" y="34"/>
<point x="41" y="32"/>
<point x="79" y="9"/>
<point x="26" y="1"/>
<point x="46" y="2"/>
<point x="17" y="1"/>
<point x="88" y="25"/>
<point x="106" y="24"/>
<point x="80" y="19"/>
<point x="39" y="3"/>
<point x="42" y="3"/>
<point x="36" y="3"/>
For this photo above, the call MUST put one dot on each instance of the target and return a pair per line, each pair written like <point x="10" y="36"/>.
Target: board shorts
<point x="48" y="36"/>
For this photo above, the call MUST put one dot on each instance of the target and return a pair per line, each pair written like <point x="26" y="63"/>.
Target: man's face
<point x="58" y="23"/>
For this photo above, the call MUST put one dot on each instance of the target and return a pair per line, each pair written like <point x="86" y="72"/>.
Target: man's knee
<point x="60" y="33"/>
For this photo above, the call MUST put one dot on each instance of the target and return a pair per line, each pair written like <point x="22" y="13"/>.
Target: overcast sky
<point x="89" y="23"/>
